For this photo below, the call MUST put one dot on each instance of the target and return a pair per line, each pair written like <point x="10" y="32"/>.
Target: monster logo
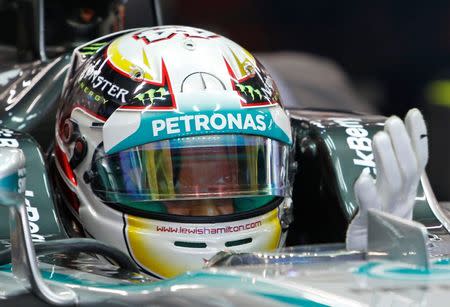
<point x="92" y="48"/>
<point x="254" y="86"/>
<point x="151" y="95"/>
<point x="249" y="90"/>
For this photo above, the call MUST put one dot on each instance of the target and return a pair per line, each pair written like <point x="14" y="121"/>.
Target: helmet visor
<point x="194" y="168"/>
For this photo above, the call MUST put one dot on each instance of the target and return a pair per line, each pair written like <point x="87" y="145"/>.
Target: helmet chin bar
<point x="178" y="247"/>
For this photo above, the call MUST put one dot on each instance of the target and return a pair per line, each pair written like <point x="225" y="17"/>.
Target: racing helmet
<point x="172" y="145"/>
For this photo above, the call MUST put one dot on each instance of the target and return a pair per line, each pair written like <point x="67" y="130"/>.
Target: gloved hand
<point x="401" y="153"/>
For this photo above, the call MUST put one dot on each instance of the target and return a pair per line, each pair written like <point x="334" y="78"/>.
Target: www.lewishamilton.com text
<point x="208" y="230"/>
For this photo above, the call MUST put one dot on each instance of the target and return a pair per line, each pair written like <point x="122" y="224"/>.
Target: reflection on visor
<point x="193" y="168"/>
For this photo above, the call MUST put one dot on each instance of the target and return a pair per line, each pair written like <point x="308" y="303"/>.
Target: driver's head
<point x="175" y="145"/>
<point x="201" y="171"/>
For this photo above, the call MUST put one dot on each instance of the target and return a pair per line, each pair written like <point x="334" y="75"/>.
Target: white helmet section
<point x="188" y="54"/>
<point x="202" y="71"/>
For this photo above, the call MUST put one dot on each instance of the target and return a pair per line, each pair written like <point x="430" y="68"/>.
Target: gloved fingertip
<point x="414" y="113"/>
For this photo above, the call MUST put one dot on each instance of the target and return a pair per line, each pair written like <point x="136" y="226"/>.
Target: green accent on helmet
<point x="151" y="94"/>
<point x="92" y="48"/>
<point x="241" y="87"/>
<point x="249" y="90"/>
<point x="162" y="91"/>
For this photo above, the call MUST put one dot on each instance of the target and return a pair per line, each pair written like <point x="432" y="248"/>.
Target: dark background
<point x="398" y="45"/>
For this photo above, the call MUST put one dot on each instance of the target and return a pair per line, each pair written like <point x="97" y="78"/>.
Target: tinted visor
<point x="239" y="171"/>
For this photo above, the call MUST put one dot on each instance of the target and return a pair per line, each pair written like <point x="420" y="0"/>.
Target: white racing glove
<point x="401" y="153"/>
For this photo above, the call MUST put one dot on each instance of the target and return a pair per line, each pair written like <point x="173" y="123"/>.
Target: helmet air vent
<point x="238" y="242"/>
<point x="190" y="244"/>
